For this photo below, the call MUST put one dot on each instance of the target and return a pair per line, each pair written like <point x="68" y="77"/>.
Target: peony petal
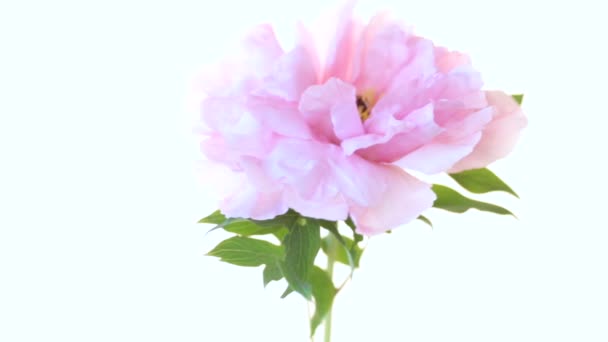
<point x="259" y="196"/>
<point x="352" y="174"/>
<point x="404" y="198"/>
<point x="330" y="208"/>
<point x="439" y="155"/>
<point x="281" y="117"/>
<point x="422" y="130"/>
<point x="457" y="91"/>
<point x="499" y="136"/>
<point x="291" y="75"/>
<point x="344" y="113"/>
<point x="261" y="48"/>
<point x="214" y="147"/>
<point x="447" y="60"/>
<point x="331" y="110"/>
<point x="401" y="136"/>
<point x="302" y="168"/>
<point x="306" y="41"/>
<point x="302" y="165"/>
<point x="375" y="25"/>
<point x="408" y="90"/>
<point x="456" y="141"/>
<point x="340" y="50"/>
<point x="252" y="203"/>
<point x="382" y="53"/>
<point x="226" y="114"/>
<point x="464" y="125"/>
<point x="240" y="132"/>
<point x="218" y="180"/>
<point x="257" y="175"/>
<point x="253" y="58"/>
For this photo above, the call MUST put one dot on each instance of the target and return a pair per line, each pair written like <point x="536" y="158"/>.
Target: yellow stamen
<point x="365" y="102"/>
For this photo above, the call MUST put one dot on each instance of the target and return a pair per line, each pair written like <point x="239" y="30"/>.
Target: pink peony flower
<point x="331" y="127"/>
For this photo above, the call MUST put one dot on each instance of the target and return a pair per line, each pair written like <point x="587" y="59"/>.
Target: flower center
<point x="363" y="108"/>
<point x="365" y="102"/>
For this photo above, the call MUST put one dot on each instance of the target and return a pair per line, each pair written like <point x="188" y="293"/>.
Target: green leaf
<point x="279" y="225"/>
<point x="357" y="237"/>
<point x="285" y="220"/>
<point x="280" y="234"/>
<point x="248" y="228"/>
<point x="480" y="181"/>
<point x="272" y="272"/>
<point x="243" y="226"/>
<point x="323" y="291"/>
<point x="348" y="253"/>
<point x="425" y="220"/>
<point x="244" y="251"/>
<point x="451" y="200"/>
<point x="349" y="222"/>
<point x="287" y="292"/>
<point x="302" y="244"/>
<point x="332" y="226"/>
<point x="216" y="217"/>
<point x="518" y="98"/>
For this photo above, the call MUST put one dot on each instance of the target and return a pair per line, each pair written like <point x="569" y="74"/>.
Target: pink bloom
<point x="330" y="129"/>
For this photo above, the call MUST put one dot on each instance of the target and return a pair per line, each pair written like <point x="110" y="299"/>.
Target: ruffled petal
<point x="333" y="208"/>
<point x="401" y="137"/>
<point x="251" y="202"/>
<point x="352" y="174"/>
<point x="239" y="71"/>
<point x="262" y="48"/>
<point x="331" y="110"/>
<point x="439" y="155"/>
<point x="301" y="165"/>
<point x="303" y="169"/>
<point x="499" y="136"/>
<point x="340" y="51"/>
<point x="408" y="90"/>
<point x="457" y="141"/>
<point x="279" y="116"/>
<point x="240" y="132"/>
<point x="447" y="60"/>
<point x="215" y="149"/>
<point x="403" y="199"/>
<point x="290" y="76"/>
<point x="382" y="52"/>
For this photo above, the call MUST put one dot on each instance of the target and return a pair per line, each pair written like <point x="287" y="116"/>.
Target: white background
<point x="99" y="197"/>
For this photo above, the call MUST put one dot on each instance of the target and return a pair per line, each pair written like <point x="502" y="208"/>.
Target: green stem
<point x="331" y="258"/>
